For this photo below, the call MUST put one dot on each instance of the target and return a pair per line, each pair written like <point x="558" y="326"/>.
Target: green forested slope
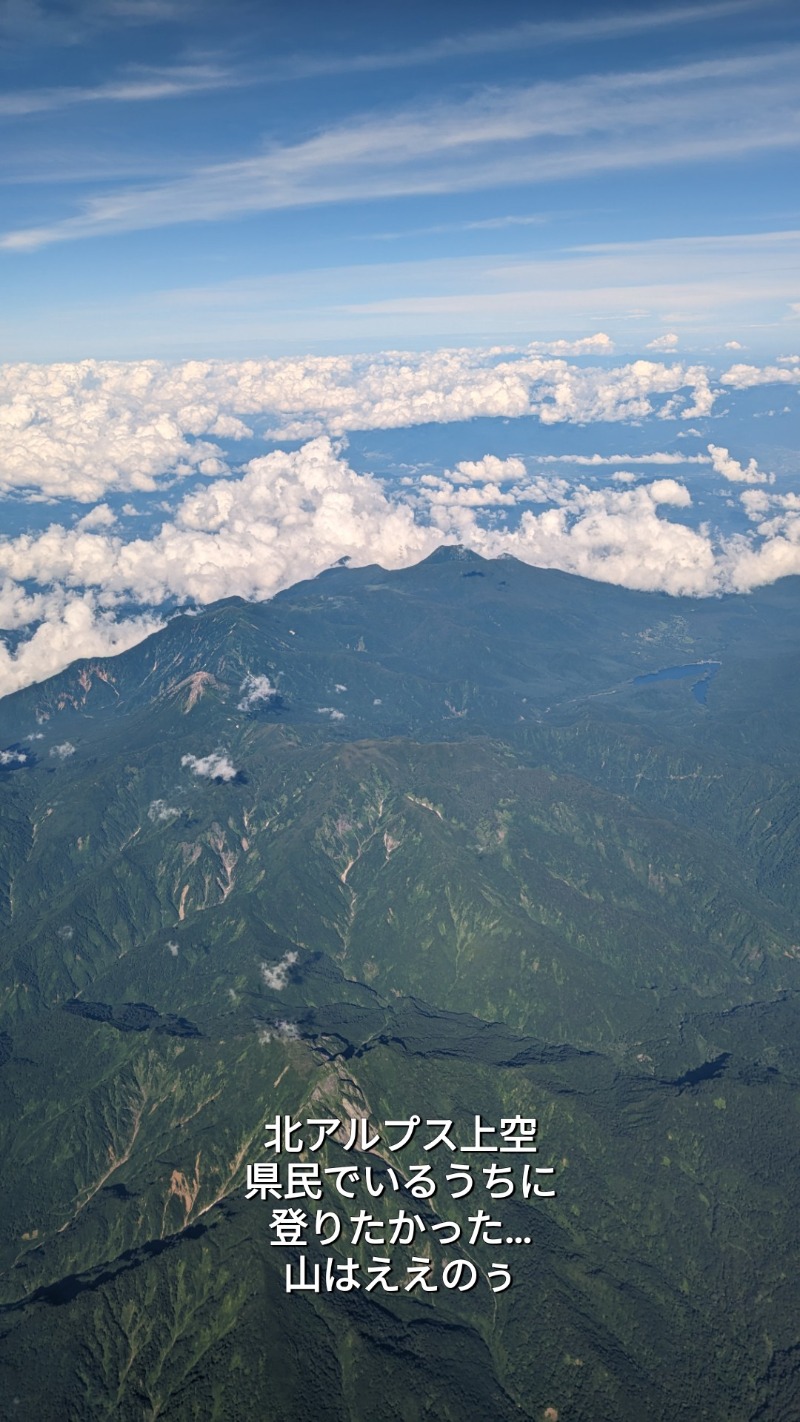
<point x="502" y="878"/>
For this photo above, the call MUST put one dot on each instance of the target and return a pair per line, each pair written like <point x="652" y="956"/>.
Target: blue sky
<point x="288" y="283"/>
<point x="182" y="179"/>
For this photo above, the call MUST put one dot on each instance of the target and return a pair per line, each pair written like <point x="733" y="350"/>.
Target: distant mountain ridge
<point x="511" y="626"/>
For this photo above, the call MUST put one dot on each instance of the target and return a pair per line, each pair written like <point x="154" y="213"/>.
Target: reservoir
<point x="706" y="670"/>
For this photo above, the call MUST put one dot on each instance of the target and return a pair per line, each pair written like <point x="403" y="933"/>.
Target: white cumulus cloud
<point x="255" y="689"/>
<point x="159" y="810"/>
<point x="276" y="975"/>
<point x="747" y="377"/>
<point x="78" y="430"/>
<point x="101" y="516"/>
<point x="731" y="469"/>
<point x="611" y="535"/>
<point x="287" y="1031"/>
<point x="750" y="565"/>
<point x="287" y="515"/>
<point x="490" y="468"/>
<point x="9" y="757"/>
<point x="82" y="430"/>
<point x="599" y="460"/>
<point x="216" y="766"/>
<point x="599" y="344"/>
<point x="72" y="626"/>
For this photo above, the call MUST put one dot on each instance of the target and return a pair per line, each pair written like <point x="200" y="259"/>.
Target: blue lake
<point x="706" y="670"/>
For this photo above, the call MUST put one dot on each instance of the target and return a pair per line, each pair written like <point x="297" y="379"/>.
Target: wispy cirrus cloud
<point x="628" y="291"/>
<point x="498" y="136"/>
<point x="137" y="85"/>
<point x="531" y="34"/>
<point x="691" y="280"/>
<point x="484" y="224"/>
<point x="71" y="23"/>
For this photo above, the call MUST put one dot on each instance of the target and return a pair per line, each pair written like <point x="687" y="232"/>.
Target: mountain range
<point x="466" y="838"/>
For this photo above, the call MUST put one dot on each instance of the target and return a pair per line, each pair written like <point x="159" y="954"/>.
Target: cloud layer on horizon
<point x="84" y="430"/>
<point x="291" y="514"/>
